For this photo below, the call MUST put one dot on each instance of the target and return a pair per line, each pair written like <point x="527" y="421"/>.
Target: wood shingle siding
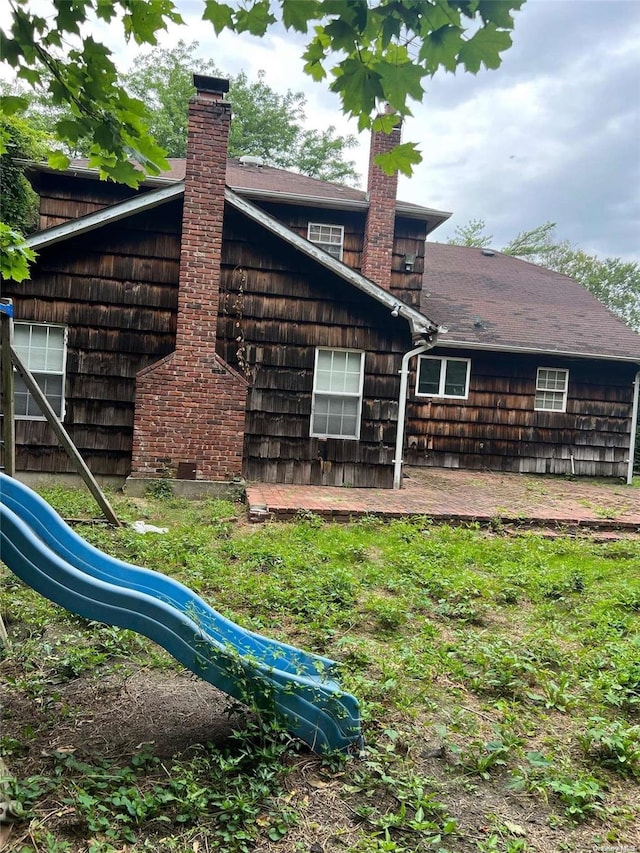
<point x="276" y="309"/>
<point x="115" y="290"/>
<point x="497" y="427"/>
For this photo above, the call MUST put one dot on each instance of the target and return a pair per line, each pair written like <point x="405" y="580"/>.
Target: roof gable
<point x="421" y="326"/>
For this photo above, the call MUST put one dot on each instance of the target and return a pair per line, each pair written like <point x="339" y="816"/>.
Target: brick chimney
<point x="379" y="230"/>
<point x="190" y="406"/>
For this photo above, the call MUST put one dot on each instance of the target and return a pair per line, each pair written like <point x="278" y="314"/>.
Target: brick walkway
<point x="462" y="496"/>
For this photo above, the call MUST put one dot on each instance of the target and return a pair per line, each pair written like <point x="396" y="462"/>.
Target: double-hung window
<point x="42" y="349"/>
<point x="552" y="385"/>
<point x="443" y="377"/>
<point x="337" y="393"/>
<point x="328" y="237"/>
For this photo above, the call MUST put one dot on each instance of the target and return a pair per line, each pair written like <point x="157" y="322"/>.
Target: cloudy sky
<point x="553" y="134"/>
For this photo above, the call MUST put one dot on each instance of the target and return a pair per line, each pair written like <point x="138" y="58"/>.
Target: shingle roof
<point x="502" y="302"/>
<point x="268" y="182"/>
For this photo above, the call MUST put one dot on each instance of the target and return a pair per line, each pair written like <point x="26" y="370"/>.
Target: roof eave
<point x="420" y="325"/>
<point x="533" y="350"/>
<point x="434" y="218"/>
<point x="104" y="216"/>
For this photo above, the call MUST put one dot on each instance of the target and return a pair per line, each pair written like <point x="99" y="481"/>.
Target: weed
<point x="160" y="489"/>
<point x="614" y="744"/>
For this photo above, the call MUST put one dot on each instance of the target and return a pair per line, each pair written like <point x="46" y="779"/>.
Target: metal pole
<point x="8" y="399"/>
<point x="402" y="408"/>
<point x="64" y="438"/>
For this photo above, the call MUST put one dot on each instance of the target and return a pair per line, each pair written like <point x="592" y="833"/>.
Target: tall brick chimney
<point x="190" y="406"/>
<point x="379" y="230"/>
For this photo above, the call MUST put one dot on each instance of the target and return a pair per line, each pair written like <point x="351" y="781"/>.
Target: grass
<point x="489" y="669"/>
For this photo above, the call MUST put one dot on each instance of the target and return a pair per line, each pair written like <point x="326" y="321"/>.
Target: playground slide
<point x="42" y="550"/>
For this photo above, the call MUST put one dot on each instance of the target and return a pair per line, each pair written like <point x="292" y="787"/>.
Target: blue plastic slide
<point x="39" y="547"/>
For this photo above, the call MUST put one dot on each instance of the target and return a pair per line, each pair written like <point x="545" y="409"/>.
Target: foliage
<point x="471" y="234"/>
<point x="265" y="123"/>
<point x="615" y="744"/>
<point x="15" y="255"/>
<point x="18" y="202"/>
<point x="616" y="283"/>
<point x="375" y="53"/>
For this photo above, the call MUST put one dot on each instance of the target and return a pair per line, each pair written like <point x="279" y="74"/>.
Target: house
<point x="533" y="374"/>
<point x="233" y="320"/>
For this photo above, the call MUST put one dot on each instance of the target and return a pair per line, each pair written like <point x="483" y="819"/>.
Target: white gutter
<point x="421" y="326"/>
<point x="634" y="427"/>
<point x="534" y="350"/>
<point x="106" y="215"/>
<point x="402" y="409"/>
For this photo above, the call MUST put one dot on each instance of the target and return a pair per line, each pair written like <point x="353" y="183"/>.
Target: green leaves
<point x="219" y="14"/>
<point x="401" y="158"/>
<point x="484" y="47"/>
<point x="58" y="160"/>
<point x="12" y="104"/>
<point x="296" y="14"/>
<point x="15" y="255"/>
<point x="376" y="52"/>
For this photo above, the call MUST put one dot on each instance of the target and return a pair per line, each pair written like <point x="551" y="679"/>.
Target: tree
<point x="616" y="283"/>
<point x="471" y="234"/>
<point x="18" y="201"/>
<point x="536" y="243"/>
<point x="376" y="51"/>
<point x="613" y="281"/>
<point x="265" y="123"/>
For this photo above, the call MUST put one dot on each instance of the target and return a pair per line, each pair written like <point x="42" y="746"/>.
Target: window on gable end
<point x="43" y="349"/>
<point x="328" y="237"/>
<point x="337" y="393"/>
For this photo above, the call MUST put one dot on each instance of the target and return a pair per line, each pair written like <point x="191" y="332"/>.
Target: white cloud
<point x="551" y="135"/>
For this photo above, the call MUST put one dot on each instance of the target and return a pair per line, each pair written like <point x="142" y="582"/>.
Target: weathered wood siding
<point x="276" y="308"/>
<point x="409" y="240"/>
<point x="116" y="291"/>
<point x="497" y="428"/>
<point x="62" y="200"/>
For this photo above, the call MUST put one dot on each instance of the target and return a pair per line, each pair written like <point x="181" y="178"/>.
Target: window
<point x="337" y="393"/>
<point x="328" y="237"/>
<point x="443" y="377"/>
<point x="43" y="350"/>
<point x="551" y="390"/>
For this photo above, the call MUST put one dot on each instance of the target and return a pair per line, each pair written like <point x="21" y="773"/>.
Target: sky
<point x="552" y="135"/>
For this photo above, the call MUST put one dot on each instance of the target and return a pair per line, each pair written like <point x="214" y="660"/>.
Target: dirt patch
<point x="117" y="714"/>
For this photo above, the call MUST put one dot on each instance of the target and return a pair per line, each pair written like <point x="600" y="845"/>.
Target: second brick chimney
<point x="379" y="230"/>
<point x="190" y="406"/>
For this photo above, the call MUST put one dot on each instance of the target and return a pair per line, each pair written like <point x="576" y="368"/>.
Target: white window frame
<point x="337" y="394"/>
<point x="38" y="372"/>
<point x="332" y="231"/>
<point x="444" y="360"/>
<point x="542" y="391"/>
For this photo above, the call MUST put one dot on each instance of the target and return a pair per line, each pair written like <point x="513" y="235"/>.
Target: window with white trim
<point x="337" y="393"/>
<point x="328" y="237"/>
<point x="443" y="377"/>
<point x="43" y="350"/>
<point x="552" y="385"/>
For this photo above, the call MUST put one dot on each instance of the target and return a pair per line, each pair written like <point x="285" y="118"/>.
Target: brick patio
<point x="462" y="496"/>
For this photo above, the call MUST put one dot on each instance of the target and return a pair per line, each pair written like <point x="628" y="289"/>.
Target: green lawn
<point x="499" y="678"/>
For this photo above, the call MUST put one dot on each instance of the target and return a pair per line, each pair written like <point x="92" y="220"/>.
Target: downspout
<point x="634" y="427"/>
<point x="402" y="409"/>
